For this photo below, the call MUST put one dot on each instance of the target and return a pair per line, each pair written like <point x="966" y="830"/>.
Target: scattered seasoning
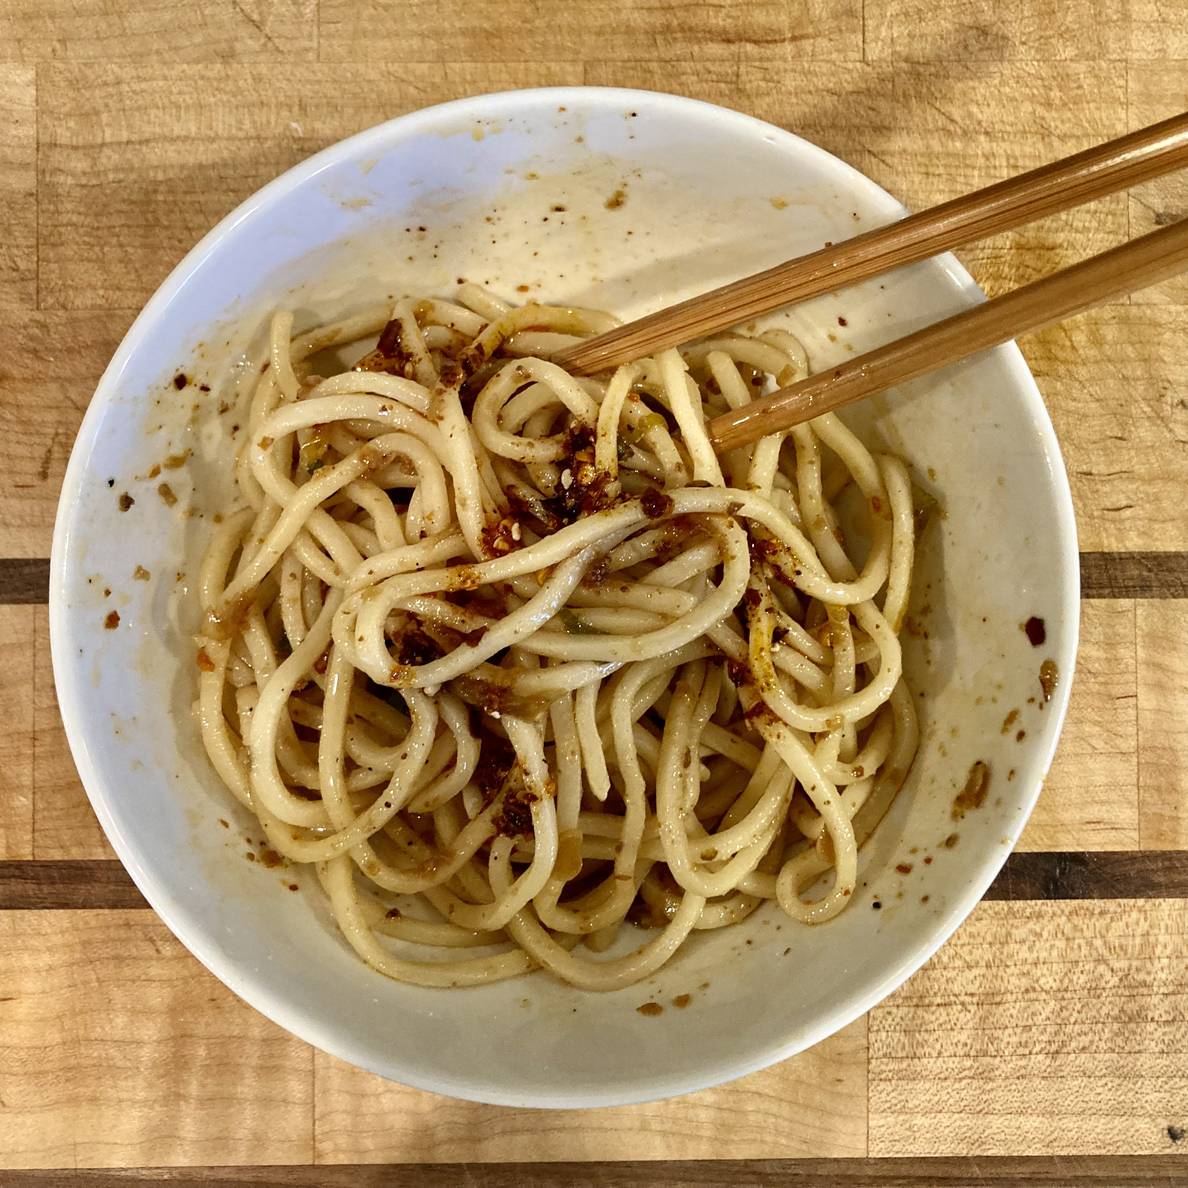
<point x="112" y="621"/>
<point x="1009" y="721"/>
<point x="174" y="461"/>
<point x="141" y="574"/>
<point x="616" y="200"/>
<point x="167" y="495"/>
<point x="650" y="1009"/>
<point x="205" y="663"/>
<point x="224" y="823"/>
<point x="974" y="793"/>
<point x="293" y="887"/>
<point x="950" y="841"/>
<point x="655" y="503"/>
<point x="904" y="868"/>
<point x="779" y="203"/>
<point x="1048" y="678"/>
<point x="180" y="380"/>
<point x="1175" y="1133"/>
<point x="250" y="856"/>
<point x="126" y="501"/>
<point x="877" y="905"/>
<point x="842" y="321"/>
<point x="271" y="858"/>
<point x="681" y="1001"/>
<point x="927" y="859"/>
<point x="1035" y="631"/>
<point x="1020" y="735"/>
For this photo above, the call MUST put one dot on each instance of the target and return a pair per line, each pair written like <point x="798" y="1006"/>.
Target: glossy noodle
<point x="527" y="674"/>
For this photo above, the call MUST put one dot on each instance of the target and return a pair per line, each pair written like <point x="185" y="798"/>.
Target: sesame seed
<point x="567" y="478"/>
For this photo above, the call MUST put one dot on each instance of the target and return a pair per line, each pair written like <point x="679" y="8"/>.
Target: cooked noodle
<point x="512" y="658"/>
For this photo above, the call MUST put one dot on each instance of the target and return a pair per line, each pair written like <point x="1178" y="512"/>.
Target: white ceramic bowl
<point x="470" y="189"/>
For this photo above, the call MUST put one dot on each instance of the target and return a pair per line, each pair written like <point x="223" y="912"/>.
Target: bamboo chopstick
<point x="1070" y="182"/>
<point x="1122" y="270"/>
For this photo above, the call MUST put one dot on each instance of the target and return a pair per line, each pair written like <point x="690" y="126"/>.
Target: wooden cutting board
<point x="1048" y="1041"/>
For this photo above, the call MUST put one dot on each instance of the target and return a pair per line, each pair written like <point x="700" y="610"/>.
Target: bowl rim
<point x="171" y="908"/>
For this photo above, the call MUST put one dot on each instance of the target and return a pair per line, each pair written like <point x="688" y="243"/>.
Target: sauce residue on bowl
<point x="977" y="784"/>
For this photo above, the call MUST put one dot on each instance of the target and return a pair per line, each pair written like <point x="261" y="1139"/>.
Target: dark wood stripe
<point x="1103" y="575"/>
<point x="94" y="884"/>
<point x="1117" y="1171"/>
<point x="1107" y="874"/>
<point x="1134" y="575"/>
<point x="103" y="884"/>
<point x="24" y="580"/>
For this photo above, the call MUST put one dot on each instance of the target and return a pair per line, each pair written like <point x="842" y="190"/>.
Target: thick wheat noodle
<point x="511" y="657"/>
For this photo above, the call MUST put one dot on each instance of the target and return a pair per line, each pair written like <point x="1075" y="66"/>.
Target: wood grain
<point x="49" y="366"/>
<point x="1134" y="575"/>
<point x="1158" y="34"/>
<point x="1090" y="798"/>
<point x="16" y="738"/>
<point x="1116" y="874"/>
<point x="1162" y="641"/>
<point x="606" y="30"/>
<point x="1114" y="382"/>
<point x="63" y="824"/>
<point x="171" y="30"/>
<point x="117" y="1048"/>
<point x="18" y="193"/>
<point x="1152" y="1171"/>
<point x="814" y="1104"/>
<point x="137" y="163"/>
<point x="988" y="31"/>
<point x="24" y="580"/>
<point x="102" y="884"/>
<point x="1041" y="1027"/>
<point x="1158" y="86"/>
<point x="97" y="884"/>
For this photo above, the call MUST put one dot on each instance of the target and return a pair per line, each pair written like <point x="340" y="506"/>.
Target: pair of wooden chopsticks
<point x="1070" y="182"/>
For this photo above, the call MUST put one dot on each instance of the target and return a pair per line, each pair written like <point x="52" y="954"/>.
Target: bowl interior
<point x="625" y="201"/>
